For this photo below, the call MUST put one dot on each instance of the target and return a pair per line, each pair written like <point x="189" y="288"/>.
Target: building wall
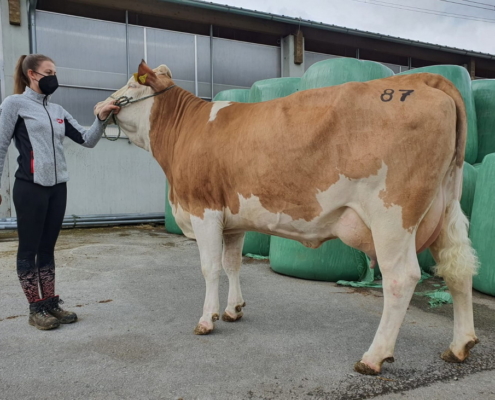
<point x="94" y="58"/>
<point x="14" y="43"/>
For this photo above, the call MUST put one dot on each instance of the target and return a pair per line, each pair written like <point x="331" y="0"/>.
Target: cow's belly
<point x="252" y="216"/>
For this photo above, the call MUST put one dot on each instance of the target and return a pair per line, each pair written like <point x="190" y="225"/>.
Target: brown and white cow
<point x="376" y="164"/>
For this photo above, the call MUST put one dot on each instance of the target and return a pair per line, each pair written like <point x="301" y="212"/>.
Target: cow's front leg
<point x="400" y="273"/>
<point x="208" y="232"/>
<point x="232" y="260"/>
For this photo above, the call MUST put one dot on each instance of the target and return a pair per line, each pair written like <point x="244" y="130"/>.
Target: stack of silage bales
<point x="270" y="89"/>
<point x="484" y="100"/>
<point x="333" y="260"/>
<point x="482" y="229"/>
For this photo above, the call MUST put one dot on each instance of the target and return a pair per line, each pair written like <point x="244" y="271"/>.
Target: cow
<point x="377" y="164"/>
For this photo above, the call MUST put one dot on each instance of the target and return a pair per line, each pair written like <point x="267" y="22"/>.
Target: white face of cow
<point x="134" y="118"/>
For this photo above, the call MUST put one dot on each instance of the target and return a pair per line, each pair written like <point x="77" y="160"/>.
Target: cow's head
<point x="134" y="119"/>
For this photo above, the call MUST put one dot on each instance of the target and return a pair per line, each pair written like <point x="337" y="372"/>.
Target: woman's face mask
<point x="48" y="84"/>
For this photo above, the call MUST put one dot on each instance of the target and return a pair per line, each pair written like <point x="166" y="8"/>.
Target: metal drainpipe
<point x="32" y="25"/>
<point x="127" y="41"/>
<point x="281" y="57"/>
<point x="80" y="221"/>
<point x="211" y="59"/>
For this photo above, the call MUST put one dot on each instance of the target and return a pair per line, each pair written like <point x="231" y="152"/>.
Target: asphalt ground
<point x="139" y="293"/>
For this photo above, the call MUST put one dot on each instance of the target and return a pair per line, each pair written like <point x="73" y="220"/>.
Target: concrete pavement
<point x="139" y="293"/>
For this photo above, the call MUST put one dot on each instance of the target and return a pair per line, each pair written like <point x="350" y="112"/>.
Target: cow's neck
<point x="167" y="119"/>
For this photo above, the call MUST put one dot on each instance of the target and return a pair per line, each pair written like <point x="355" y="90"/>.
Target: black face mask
<point x="48" y="84"/>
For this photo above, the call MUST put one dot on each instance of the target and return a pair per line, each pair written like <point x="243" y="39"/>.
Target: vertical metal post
<point x="196" y="65"/>
<point x="127" y="42"/>
<point x="357" y="54"/>
<point x="32" y="25"/>
<point x="409" y="62"/>
<point x="145" y="40"/>
<point x="281" y="57"/>
<point x="211" y="59"/>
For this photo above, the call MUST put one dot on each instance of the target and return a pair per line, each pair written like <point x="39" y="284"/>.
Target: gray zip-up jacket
<point x="38" y="128"/>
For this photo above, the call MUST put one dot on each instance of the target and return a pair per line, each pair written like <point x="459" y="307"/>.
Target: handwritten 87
<point x="388" y="94"/>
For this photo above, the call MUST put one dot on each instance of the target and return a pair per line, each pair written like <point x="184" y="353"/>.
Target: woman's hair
<point x="25" y="63"/>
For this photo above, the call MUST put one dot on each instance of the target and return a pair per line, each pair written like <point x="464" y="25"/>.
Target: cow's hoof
<point x="449" y="356"/>
<point x="204" y="327"/>
<point x="365" y="369"/>
<point x="228" y="317"/>
<point x="232" y="317"/>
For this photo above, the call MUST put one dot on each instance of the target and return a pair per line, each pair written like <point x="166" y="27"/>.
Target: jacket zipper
<point x="53" y="141"/>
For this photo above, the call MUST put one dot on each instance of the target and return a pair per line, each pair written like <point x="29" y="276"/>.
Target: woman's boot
<point x="39" y="316"/>
<point x="64" y="317"/>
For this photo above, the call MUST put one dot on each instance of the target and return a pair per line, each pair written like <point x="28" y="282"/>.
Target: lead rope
<point x="123" y="101"/>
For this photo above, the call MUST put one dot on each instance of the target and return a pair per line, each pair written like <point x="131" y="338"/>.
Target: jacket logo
<point x="60" y="121"/>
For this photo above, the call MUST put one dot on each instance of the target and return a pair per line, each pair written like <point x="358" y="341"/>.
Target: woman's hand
<point x="106" y="110"/>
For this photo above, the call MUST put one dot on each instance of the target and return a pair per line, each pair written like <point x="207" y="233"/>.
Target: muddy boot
<point x="40" y="318"/>
<point x="64" y="317"/>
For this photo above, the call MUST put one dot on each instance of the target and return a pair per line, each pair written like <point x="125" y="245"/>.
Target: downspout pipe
<point x="32" y="25"/>
<point x="82" y="221"/>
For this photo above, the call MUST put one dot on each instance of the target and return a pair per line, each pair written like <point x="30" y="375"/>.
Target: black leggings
<point x="40" y="213"/>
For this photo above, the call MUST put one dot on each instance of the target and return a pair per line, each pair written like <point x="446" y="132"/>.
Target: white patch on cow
<point x="183" y="220"/>
<point x="134" y="118"/>
<point x="139" y="113"/>
<point x="216" y="107"/>
<point x="361" y="195"/>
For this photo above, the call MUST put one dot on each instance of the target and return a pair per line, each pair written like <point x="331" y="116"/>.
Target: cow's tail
<point x="456" y="258"/>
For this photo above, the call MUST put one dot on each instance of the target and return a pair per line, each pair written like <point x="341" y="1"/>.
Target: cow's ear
<point x="145" y="75"/>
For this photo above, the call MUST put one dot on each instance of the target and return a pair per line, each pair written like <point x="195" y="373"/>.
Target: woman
<point x="40" y="194"/>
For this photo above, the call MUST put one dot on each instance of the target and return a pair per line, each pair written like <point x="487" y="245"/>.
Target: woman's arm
<point x="87" y="137"/>
<point x="8" y="120"/>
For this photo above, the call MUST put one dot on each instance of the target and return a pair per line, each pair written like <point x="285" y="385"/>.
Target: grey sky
<point x="368" y="15"/>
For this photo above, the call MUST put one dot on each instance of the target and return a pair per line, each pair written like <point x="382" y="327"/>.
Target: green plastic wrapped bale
<point x="239" y="95"/>
<point x="426" y="261"/>
<point x="459" y="76"/>
<point x="477" y="166"/>
<point x="482" y="230"/>
<point x="170" y="224"/>
<point x="470" y="175"/>
<point x="342" y="70"/>
<point x="270" y="89"/>
<point x="256" y="243"/>
<point x="331" y="262"/>
<point x="484" y="100"/>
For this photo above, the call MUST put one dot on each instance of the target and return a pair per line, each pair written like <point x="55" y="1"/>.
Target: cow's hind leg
<point x="396" y="253"/>
<point x="456" y="263"/>
<point x="232" y="260"/>
<point x="208" y="232"/>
